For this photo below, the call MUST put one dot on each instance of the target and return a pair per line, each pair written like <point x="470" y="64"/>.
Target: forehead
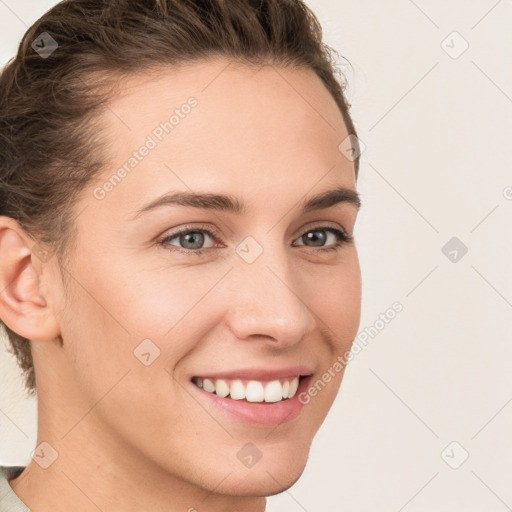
<point x="217" y="124"/>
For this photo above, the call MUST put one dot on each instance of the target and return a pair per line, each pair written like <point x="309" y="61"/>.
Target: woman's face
<point x="267" y="296"/>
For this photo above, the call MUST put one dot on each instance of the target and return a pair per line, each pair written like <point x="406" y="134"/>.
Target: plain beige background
<point x="424" y="415"/>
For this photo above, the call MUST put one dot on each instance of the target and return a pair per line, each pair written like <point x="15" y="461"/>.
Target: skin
<point x="129" y="436"/>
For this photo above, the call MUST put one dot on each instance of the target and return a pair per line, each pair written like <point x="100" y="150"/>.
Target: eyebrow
<point x="229" y="203"/>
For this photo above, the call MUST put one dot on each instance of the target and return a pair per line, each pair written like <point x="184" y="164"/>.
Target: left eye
<point x="191" y="240"/>
<point x="194" y="237"/>
<point x="339" y="237"/>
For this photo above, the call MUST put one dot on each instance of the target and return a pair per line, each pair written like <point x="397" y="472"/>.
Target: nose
<point x="266" y="302"/>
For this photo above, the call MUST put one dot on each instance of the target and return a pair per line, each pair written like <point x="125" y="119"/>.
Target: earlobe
<point x="23" y="307"/>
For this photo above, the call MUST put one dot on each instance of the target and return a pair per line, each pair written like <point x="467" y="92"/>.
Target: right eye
<point x="190" y="238"/>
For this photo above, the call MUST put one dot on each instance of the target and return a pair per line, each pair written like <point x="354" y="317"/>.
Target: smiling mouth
<point x="255" y="391"/>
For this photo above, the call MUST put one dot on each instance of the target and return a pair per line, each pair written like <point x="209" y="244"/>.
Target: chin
<point x="262" y="485"/>
<point x="265" y="479"/>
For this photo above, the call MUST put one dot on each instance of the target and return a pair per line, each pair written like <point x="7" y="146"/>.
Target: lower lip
<point x="266" y="414"/>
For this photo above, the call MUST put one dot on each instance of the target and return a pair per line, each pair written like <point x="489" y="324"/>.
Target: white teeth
<point x="221" y="388"/>
<point x="273" y="391"/>
<point x="237" y="390"/>
<point x="208" y="385"/>
<point x="286" y="389"/>
<point x="254" y="391"/>
<point x="294" y="384"/>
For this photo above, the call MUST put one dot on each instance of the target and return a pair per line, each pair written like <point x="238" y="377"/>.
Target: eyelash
<point x="342" y="239"/>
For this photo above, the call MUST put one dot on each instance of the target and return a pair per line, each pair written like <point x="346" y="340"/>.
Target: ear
<point x="23" y="307"/>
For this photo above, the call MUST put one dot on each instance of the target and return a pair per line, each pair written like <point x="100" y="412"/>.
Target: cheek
<point x="335" y="299"/>
<point x="161" y="301"/>
<point x="119" y="318"/>
<point x="124" y="338"/>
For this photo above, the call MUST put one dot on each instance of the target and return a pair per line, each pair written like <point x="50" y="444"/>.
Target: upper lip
<point x="259" y="373"/>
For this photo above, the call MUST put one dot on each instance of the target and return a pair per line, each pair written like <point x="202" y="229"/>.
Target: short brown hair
<point x="50" y="147"/>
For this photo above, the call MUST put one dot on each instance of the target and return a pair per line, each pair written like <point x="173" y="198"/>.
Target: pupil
<point x="314" y="238"/>
<point x="197" y="244"/>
